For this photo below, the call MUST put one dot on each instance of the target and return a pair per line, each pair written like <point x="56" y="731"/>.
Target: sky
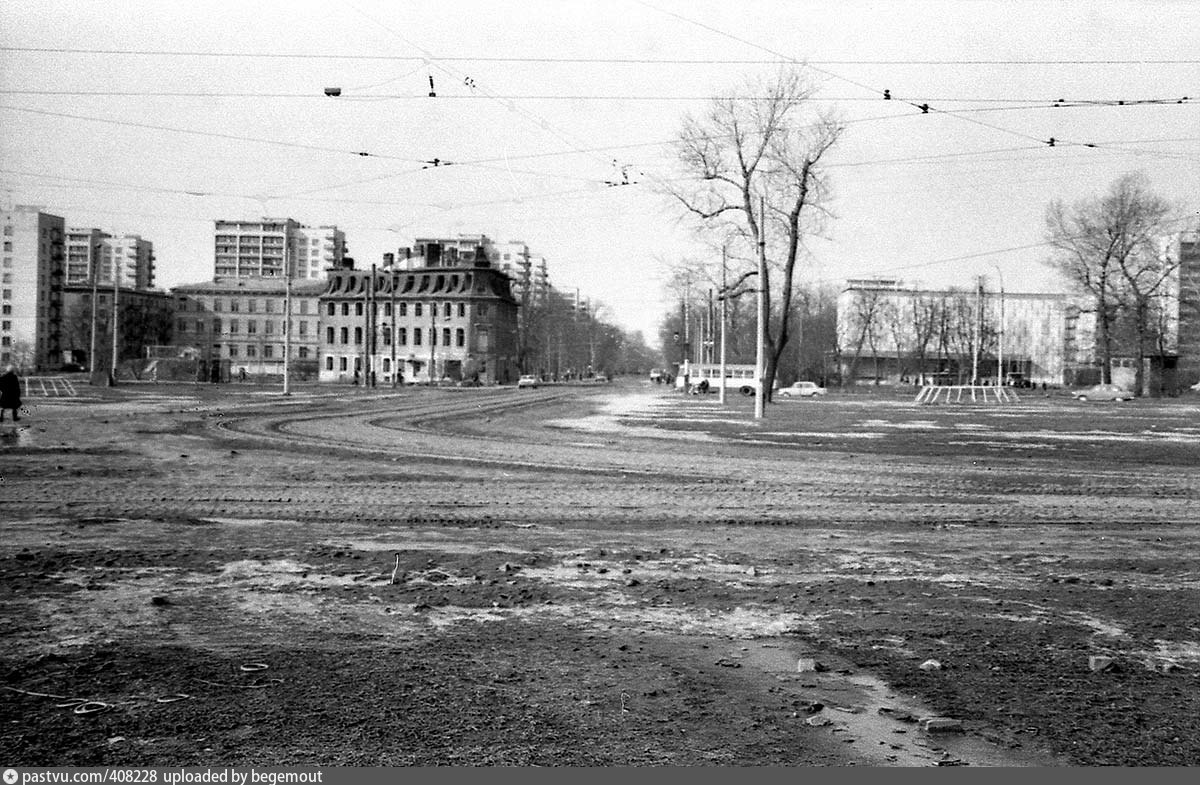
<point x="154" y="118"/>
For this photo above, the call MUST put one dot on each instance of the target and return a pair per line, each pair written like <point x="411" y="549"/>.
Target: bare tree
<point x="1106" y="247"/>
<point x="861" y="325"/>
<point x="761" y="145"/>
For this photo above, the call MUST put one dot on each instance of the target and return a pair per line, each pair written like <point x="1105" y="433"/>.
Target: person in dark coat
<point x="10" y="393"/>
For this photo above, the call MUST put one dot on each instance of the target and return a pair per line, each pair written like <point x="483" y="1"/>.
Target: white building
<point x="129" y="256"/>
<point x="31" y="272"/>
<point x="275" y="247"/>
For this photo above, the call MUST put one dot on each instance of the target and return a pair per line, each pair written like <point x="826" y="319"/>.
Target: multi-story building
<point x="444" y="313"/>
<point x="146" y="318"/>
<point x="891" y="333"/>
<point x="239" y="324"/>
<point x="31" y="273"/>
<point x="274" y="248"/>
<point x="1188" y="317"/>
<point x="130" y="257"/>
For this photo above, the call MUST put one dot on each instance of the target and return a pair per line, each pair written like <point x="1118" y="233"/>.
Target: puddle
<point x="852" y="704"/>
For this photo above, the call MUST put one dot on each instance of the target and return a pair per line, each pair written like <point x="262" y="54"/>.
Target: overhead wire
<point x="595" y="60"/>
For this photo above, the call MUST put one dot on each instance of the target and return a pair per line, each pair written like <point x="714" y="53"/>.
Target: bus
<point x="738" y="377"/>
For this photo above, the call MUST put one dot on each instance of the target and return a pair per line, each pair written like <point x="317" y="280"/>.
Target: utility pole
<point x="977" y="325"/>
<point x="95" y="296"/>
<point x="287" y="319"/>
<point x="432" y="338"/>
<point x="116" y="324"/>
<point x="369" y="338"/>
<point x="760" y="353"/>
<point x="1001" y="377"/>
<point x="724" y="300"/>
<point x="392" y="328"/>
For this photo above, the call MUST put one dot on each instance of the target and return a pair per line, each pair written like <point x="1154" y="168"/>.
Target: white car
<point x="527" y="381"/>
<point x="802" y="390"/>
<point x="1195" y="387"/>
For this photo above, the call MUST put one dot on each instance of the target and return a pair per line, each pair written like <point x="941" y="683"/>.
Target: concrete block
<point x="940" y="725"/>
<point x="1098" y="663"/>
<point x="930" y="665"/>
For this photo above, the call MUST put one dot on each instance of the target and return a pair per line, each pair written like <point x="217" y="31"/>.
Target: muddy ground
<point x="616" y="575"/>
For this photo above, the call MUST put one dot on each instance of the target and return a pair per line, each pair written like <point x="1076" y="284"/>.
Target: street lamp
<point x="116" y="324"/>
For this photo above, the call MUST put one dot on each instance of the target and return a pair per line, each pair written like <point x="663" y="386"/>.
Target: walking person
<point x="10" y="393"/>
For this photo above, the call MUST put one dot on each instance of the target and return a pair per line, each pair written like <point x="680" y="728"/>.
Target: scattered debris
<point x="818" y="720"/>
<point x="1098" y="663"/>
<point x="897" y="714"/>
<point x="930" y="665"/>
<point x="725" y="662"/>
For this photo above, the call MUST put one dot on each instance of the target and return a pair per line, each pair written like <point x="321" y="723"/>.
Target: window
<point x="234" y="326"/>
<point x="269" y="351"/>
<point x="387" y="337"/>
<point x="404" y="309"/>
<point x="358" y="335"/>
<point x="234" y="306"/>
<point x="303" y="327"/>
<point x="181" y="325"/>
<point x="345" y="309"/>
<point x="252" y="305"/>
<point x="345" y="335"/>
<point x="462" y="309"/>
<point x="416" y="309"/>
<point x="7" y="294"/>
<point x="269" y="305"/>
<point x="199" y="325"/>
<point x="387" y="365"/>
<point x="216" y="326"/>
<point x="303" y="353"/>
<point x="358" y="309"/>
<point x="481" y="309"/>
<point x="402" y="336"/>
<point x="446" y="311"/>
<point x="232" y="351"/>
<point x="446" y="336"/>
<point x="329" y="361"/>
<point x="304" y="307"/>
<point x="217" y="305"/>
<point x="331" y="309"/>
<point x="329" y="335"/>
<point x="252" y="326"/>
<point x="460" y="337"/>
<point x="268" y="326"/>
<point x="342" y="363"/>
<point x="433" y="336"/>
<point x="416" y="336"/>
<point x="250" y="351"/>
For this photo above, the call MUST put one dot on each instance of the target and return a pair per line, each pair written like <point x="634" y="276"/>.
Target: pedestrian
<point x="10" y="393"/>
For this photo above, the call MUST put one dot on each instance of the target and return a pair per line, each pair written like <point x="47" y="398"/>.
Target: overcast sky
<point x="539" y="103"/>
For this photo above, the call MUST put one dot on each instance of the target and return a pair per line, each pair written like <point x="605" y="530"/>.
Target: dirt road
<point x="614" y="575"/>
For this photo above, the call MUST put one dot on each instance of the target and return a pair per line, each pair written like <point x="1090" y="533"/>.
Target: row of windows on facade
<point x="402" y="336"/>
<point x="448" y="309"/>
<point x="268" y="351"/>
<point x="235" y="326"/>
<point x="343" y="364"/>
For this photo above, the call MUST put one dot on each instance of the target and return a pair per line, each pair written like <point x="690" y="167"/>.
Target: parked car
<point x="802" y="390"/>
<point x="527" y="381"/>
<point x="600" y="378"/>
<point x="1195" y="387"/>
<point x="1103" y="392"/>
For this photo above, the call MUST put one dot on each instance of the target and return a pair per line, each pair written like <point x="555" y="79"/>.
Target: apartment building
<point x="129" y="257"/>
<point x="275" y="248"/>
<point x="31" y="275"/>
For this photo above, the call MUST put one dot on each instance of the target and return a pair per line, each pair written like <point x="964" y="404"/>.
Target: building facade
<point x="31" y="280"/>
<point x="889" y="333"/>
<point x="239" y="326"/>
<point x="129" y="257"/>
<point x="1188" y="318"/>
<point x="275" y="248"/>
<point x="445" y="314"/>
